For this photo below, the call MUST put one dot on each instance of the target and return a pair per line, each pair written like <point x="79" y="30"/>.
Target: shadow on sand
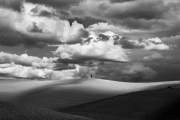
<point x="161" y="104"/>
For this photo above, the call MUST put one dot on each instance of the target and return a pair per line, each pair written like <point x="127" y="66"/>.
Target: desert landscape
<point x="89" y="59"/>
<point x="88" y="98"/>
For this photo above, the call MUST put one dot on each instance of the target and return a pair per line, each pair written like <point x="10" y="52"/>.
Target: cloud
<point x="167" y="69"/>
<point x="12" y="4"/>
<point x="119" y="72"/>
<point x="32" y="61"/>
<point x="156" y="17"/>
<point x="93" y="50"/>
<point x="86" y="21"/>
<point x="120" y="1"/>
<point x="31" y="30"/>
<point x="34" y="28"/>
<point x="20" y="71"/>
<point x="59" y="4"/>
<point x="24" y="66"/>
<point x="128" y="43"/>
<point x="106" y="46"/>
<point x="26" y="60"/>
<point x="139" y="9"/>
<point x="138" y="72"/>
<point x="123" y="30"/>
<point x="103" y="27"/>
<point x="85" y="72"/>
<point x="173" y="41"/>
<point x="149" y="44"/>
<point x="44" y="11"/>
<point x="156" y="56"/>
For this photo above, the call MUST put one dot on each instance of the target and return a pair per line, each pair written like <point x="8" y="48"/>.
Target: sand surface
<point x="58" y="94"/>
<point x="161" y="104"/>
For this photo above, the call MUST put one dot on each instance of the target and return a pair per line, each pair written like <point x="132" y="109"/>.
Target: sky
<point x="121" y="40"/>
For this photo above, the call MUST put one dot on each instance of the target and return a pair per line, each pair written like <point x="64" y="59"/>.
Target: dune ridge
<point x="56" y="94"/>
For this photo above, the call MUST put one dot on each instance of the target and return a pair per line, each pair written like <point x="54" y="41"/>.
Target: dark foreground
<point x="163" y="104"/>
<point x="10" y="111"/>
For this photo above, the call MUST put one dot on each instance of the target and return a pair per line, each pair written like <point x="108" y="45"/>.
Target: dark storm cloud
<point x="142" y="24"/>
<point x="63" y="66"/>
<point x="46" y="14"/>
<point x="14" y="38"/>
<point x="38" y="10"/>
<point x="86" y="21"/>
<point x="131" y="72"/>
<point x="120" y="1"/>
<point x="12" y="4"/>
<point x="125" y="43"/>
<point x="37" y="38"/>
<point x="87" y="61"/>
<point x="174" y="41"/>
<point x="139" y="10"/>
<point x="59" y="4"/>
<point x="173" y="30"/>
<point x="157" y="17"/>
<point x="167" y="69"/>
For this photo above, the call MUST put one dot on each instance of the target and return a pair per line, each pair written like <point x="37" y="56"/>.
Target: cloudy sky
<point x="122" y="40"/>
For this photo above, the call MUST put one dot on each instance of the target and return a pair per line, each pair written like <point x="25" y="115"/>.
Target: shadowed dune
<point x="10" y="111"/>
<point x="162" y="104"/>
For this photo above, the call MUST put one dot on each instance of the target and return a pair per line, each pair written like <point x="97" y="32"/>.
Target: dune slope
<point x="162" y="104"/>
<point x="10" y="111"/>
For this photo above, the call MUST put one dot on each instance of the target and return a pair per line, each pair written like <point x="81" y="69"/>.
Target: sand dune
<point x="161" y="104"/>
<point x="10" y="111"/>
<point x="58" y="94"/>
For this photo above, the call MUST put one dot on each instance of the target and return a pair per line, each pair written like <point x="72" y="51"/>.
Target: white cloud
<point x="155" y="43"/>
<point x="94" y="50"/>
<point x="25" y="66"/>
<point x="26" y="60"/>
<point x="156" y="56"/>
<point x="147" y="44"/>
<point x="102" y="27"/>
<point x="13" y="70"/>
